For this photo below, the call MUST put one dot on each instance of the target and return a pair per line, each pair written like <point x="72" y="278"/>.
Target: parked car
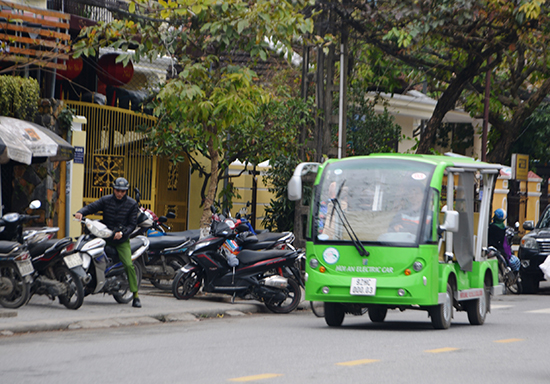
<point x="533" y="250"/>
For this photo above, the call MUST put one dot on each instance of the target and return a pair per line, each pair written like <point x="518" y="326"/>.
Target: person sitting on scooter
<point x="120" y="213"/>
<point x="497" y="239"/>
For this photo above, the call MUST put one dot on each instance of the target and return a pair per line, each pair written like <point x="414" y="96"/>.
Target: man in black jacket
<point x="119" y="215"/>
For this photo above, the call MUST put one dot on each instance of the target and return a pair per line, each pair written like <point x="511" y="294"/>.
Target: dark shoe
<point x="136" y="303"/>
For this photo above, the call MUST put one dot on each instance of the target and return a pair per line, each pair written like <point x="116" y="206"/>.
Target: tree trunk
<point x="510" y="131"/>
<point x="445" y="103"/>
<point x="212" y="186"/>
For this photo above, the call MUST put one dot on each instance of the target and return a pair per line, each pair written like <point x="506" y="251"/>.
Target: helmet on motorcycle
<point x="500" y="214"/>
<point x="121" y="184"/>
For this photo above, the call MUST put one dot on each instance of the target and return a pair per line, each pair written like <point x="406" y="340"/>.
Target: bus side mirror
<point x="529" y="225"/>
<point x="295" y="188"/>
<point x="295" y="182"/>
<point x="451" y="222"/>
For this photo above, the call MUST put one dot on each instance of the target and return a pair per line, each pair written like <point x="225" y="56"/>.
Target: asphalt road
<point x="512" y="346"/>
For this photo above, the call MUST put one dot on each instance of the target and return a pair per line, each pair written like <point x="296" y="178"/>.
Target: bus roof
<point x="447" y="160"/>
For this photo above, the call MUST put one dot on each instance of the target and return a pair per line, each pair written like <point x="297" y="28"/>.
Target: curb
<point x="124" y="321"/>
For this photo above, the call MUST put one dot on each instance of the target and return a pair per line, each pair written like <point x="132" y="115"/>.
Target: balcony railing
<point x="96" y="10"/>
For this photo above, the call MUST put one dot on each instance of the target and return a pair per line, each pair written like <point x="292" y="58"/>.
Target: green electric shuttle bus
<point x="391" y="231"/>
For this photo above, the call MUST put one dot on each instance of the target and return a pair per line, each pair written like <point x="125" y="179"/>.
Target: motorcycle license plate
<point x="362" y="286"/>
<point x="73" y="260"/>
<point x="25" y="267"/>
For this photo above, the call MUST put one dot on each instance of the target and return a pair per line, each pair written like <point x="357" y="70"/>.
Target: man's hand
<point x="118" y="236"/>
<point x="78" y="216"/>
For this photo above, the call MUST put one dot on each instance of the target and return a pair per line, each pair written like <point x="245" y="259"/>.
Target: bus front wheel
<point x="442" y="314"/>
<point x="334" y="314"/>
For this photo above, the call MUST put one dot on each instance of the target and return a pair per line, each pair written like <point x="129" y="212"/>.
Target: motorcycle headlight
<point x="529" y="242"/>
<point x="11" y="217"/>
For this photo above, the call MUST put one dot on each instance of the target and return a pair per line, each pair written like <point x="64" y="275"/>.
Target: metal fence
<point x="114" y="149"/>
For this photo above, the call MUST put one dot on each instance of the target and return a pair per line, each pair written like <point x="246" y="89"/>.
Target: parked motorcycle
<point x="101" y="263"/>
<point x="15" y="274"/>
<point x="16" y="267"/>
<point x="58" y="273"/>
<point x="269" y="276"/>
<point x="166" y="254"/>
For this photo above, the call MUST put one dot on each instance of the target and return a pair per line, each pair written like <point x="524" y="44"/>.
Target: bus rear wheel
<point x="334" y="314"/>
<point x="477" y="309"/>
<point x="377" y="314"/>
<point x="442" y="314"/>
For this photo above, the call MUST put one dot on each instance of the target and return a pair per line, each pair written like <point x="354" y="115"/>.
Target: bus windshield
<point x="382" y="199"/>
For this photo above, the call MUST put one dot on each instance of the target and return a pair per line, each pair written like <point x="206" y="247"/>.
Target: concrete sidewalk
<point x="102" y="311"/>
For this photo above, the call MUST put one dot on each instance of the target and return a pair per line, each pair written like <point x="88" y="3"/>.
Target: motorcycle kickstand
<point x="233" y="298"/>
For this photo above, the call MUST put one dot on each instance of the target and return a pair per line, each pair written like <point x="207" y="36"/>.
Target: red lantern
<point x="112" y="73"/>
<point x="74" y="67"/>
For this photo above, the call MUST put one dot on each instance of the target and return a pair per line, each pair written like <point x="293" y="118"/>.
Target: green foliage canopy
<point x="19" y="97"/>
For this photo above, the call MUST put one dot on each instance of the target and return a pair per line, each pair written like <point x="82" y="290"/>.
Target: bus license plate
<point x="25" y="267"/>
<point x="362" y="286"/>
<point x="73" y="260"/>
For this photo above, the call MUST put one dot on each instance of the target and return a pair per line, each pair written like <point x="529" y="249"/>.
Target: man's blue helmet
<point x="500" y="214"/>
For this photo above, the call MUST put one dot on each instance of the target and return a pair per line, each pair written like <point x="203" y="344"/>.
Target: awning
<point x="26" y="142"/>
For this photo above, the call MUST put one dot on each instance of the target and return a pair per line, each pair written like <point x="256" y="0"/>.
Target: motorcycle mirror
<point x="163" y="219"/>
<point x="171" y="215"/>
<point x="35" y="204"/>
<point x="213" y="209"/>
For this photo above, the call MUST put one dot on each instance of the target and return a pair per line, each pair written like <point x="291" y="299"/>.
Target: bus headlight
<point x="314" y="263"/>
<point x="417" y="266"/>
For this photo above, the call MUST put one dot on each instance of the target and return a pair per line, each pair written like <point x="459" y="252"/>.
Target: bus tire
<point x="477" y="309"/>
<point x="334" y="314"/>
<point x="442" y="314"/>
<point x="377" y="314"/>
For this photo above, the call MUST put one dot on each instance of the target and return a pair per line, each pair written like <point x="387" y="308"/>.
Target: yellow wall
<point x="500" y="197"/>
<point x="243" y="184"/>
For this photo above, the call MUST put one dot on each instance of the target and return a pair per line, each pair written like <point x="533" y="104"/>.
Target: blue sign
<point x="79" y="155"/>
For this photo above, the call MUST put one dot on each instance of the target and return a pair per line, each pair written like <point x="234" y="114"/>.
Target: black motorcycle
<point x="507" y="276"/>
<point x="58" y="273"/>
<point x="269" y="276"/>
<point x="15" y="261"/>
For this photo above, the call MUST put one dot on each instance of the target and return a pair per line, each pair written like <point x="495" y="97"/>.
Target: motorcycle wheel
<point x="186" y="285"/>
<point x="290" y="303"/>
<point x="166" y="284"/>
<point x="20" y="293"/>
<point x="124" y="295"/>
<point x="75" y="295"/>
<point x="515" y="286"/>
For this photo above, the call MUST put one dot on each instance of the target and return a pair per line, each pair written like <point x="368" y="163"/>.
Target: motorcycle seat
<point x="135" y="244"/>
<point x="247" y="256"/>
<point x="192" y="234"/>
<point x="51" y="245"/>
<point x="259" y="245"/>
<point x="160" y="243"/>
<point x="7" y="246"/>
<point x="270" y="236"/>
